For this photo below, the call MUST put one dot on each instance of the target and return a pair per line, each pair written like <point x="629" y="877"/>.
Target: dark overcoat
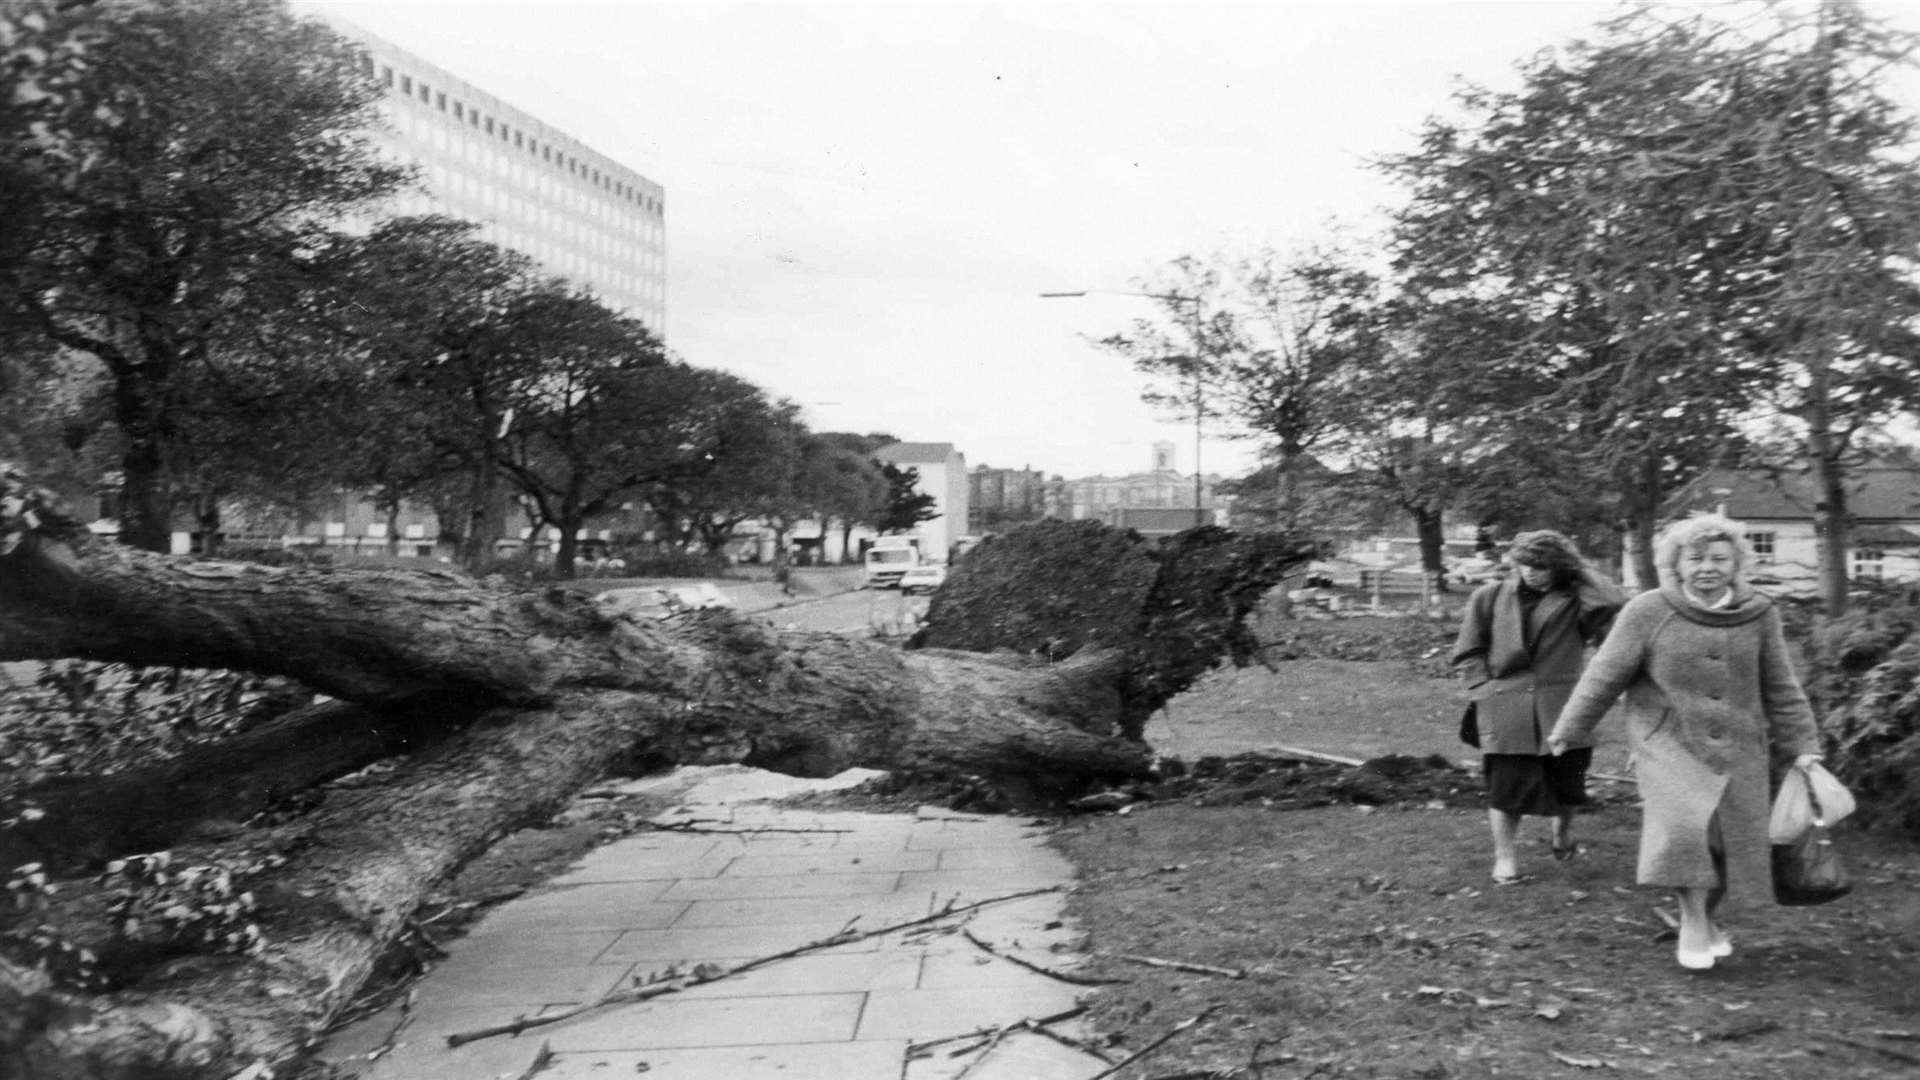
<point x="1520" y="671"/>
<point x="1710" y="697"/>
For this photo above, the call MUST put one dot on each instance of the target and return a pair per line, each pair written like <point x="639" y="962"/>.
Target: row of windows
<point x="1868" y="562"/>
<point x="553" y="215"/>
<point x="411" y="88"/>
<point x="631" y="281"/>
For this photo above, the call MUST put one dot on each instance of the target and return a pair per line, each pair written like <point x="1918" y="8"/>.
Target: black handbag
<point x="1809" y="871"/>
<point x="1470" y="724"/>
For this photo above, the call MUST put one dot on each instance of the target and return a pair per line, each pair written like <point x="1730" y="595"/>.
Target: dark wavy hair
<point x="1546" y="550"/>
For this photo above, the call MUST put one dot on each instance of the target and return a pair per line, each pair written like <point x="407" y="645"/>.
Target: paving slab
<point x="787" y="1061"/>
<point x="674" y="1021"/>
<point x="784" y="886"/>
<point x="736" y="879"/>
<point x="723" y="943"/>
<point x="923" y="1014"/>
<point x="476" y="980"/>
<point x="831" y="862"/>
<point x="603" y="906"/>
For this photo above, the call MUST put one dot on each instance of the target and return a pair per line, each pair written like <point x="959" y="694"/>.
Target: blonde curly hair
<point x="1694" y="534"/>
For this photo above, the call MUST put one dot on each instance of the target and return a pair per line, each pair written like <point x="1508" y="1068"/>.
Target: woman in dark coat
<point x="1711" y="700"/>
<point x="1521" y="648"/>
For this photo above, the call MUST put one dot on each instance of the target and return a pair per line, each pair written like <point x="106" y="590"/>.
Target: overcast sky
<point x="864" y="200"/>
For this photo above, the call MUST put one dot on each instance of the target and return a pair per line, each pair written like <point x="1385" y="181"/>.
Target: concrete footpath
<point x="748" y="880"/>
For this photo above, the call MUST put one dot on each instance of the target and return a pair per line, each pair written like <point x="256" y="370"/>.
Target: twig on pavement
<point x="1040" y="1028"/>
<point x="706" y="973"/>
<point x="1076" y="980"/>
<point x="541" y="1059"/>
<point x="985" y="1050"/>
<point x="693" y="827"/>
<point x="1037" y="1023"/>
<point x="393" y="1036"/>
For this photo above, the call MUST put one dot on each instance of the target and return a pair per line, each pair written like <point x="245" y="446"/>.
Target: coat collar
<point x="1510" y="627"/>
<point x="1747" y="606"/>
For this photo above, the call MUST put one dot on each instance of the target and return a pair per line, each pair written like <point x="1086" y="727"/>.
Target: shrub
<point x="1864" y="679"/>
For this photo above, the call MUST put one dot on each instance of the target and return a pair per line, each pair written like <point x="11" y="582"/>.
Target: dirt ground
<point x="1374" y="944"/>
<point x="1357" y="904"/>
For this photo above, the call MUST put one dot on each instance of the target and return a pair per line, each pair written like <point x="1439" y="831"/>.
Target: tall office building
<point x="533" y="188"/>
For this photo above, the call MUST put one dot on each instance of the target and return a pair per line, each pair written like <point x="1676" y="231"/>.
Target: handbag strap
<point x="1819" y="815"/>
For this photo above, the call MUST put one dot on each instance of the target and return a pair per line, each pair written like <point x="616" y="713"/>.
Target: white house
<point x="1777" y="509"/>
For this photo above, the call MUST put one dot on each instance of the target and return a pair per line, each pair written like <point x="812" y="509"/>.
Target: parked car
<point x="638" y="601"/>
<point x="660" y="601"/>
<point x="700" y="594"/>
<point x="923" y="579"/>
<point x="1475" y="571"/>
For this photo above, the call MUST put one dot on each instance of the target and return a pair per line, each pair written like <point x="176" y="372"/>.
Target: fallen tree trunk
<point x="356" y="871"/>
<point x="547" y="694"/>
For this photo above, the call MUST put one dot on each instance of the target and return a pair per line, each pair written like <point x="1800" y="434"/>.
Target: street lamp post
<point x="1199" y="390"/>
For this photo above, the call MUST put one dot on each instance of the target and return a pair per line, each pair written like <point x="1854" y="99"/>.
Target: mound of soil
<point x="1283" y="783"/>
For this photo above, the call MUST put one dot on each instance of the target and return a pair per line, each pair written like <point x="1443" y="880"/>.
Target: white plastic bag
<point x="1807" y="796"/>
<point x="1832" y="801"/>
<point x="1792" y="809"/>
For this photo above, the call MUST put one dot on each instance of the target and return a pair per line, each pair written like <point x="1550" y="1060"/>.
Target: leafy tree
<point x="906" y="505"/>
<point x="1310" y="494"/>
<point x="735" y="452"/>
<point x="590" y="424"/>
<point x="1665" y="235"/>
<point x="206" y="149"/>
<point x="55" y="416"/>
<point x="1270" y="342"/>
<point x="448" y="326"/>
<point x="844" y="485"/>
<point x="858" y="495"/>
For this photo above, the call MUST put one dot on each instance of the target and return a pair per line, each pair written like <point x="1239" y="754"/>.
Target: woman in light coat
<point x="1522" y="644"/>
<point x="1712" y="700"/>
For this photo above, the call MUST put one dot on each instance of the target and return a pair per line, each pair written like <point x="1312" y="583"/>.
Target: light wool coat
<point x="1518" y="670"/>
<point x="1711" y="698"/>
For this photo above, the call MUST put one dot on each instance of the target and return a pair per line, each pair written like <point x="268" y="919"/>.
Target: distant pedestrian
<point x="1712" y="699"/>
<point x="1521" y="648"/>
<point x="783" y="571"/>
